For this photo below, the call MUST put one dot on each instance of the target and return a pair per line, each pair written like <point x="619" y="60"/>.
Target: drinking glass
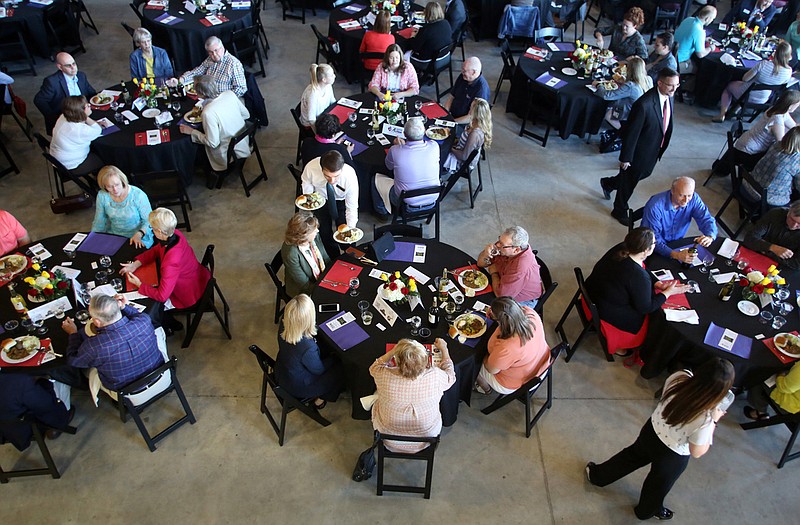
<point x="82" y="316"/>
<point x="450" y="311"/>
<point x="11" y="325"/>
<point x="765" y="317"/>
<point x="693" y="286"/>
<point x="459" y="300"/>
<point x="105" y="261"/>
<point x="418" y="107"/>
<point x="354" y="284"/>
<point x="175" y="105"/>
<point x="415" y="323"/>
<point x="370" y="136"/>
<point x="782" y="293"/>
<point x="352" y="118"/>
<point x="784" y="308"/>
<point x="41" y="329"/>
<point x="707" y="261"/>
<point x="366" y="317"/>
<point x="363" y="306"/>
<point x="27" y="324"/>
<point x="424" y="333"/>
<point x="60" y="312"/>
<point x="778" y="322"/>
<point x="741" y="265"/>
<point x="101" y="277"/>
<point x="69" y="253"/>
<point x="118" y="285"/>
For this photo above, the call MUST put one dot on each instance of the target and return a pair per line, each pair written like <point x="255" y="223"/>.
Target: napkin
<point x="148" y="274"/>
<point x="724" y="278"/>
<point x="682" y="316"/>
<point x="770" y="343"/>
<point x="728" y="249"/>
<point x="341" y="273"/>
<point x="406" y="33"/>
<point x="346" y="336"/>
<point x="676" y="302"/>
<point x="728" y="60"/>
<point x="433" y="110"/>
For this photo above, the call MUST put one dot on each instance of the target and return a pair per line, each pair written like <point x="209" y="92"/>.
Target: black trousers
<point x="327" y="225"/>
<point x="625" y="182"/>
<point x="666" y="467"/>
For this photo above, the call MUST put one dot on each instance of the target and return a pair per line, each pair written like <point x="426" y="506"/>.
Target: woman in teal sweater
<point x="122" y="209"/>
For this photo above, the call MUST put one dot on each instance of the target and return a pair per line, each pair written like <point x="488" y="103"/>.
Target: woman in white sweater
<point x="318" y="95"/>
<point x="72" y="136"/>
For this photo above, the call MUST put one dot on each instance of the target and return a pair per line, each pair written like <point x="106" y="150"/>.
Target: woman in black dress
<point x="433" y="36"/>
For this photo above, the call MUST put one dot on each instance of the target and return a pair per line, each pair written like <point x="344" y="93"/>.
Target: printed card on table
<point x="382" y="140"/>
<point x="419" y="253"/>
<point x="378" y="274"/>
<point x="73" y="243"/>
<point x="385" y="310"/>
<point x="445" y="123"/>
<point x="346" y="102"/>
<point x="420" y="277"/>
<point x="46" y="311"/>
<point x="40" y="251"/>
<point x="394" y="131"/>
<point x="339" y="322"/>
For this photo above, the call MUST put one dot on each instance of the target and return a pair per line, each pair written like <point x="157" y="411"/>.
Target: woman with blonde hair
<point x="318" y="95"/>
<point x="409" y="390"/>
<point x="771" y="72"/>
<point x="299" y="367"/>
<point x="628" y="92"/>
<point x="122" y="209"/>
<point x="778" y="170"/>
<point x="478" y="134"/>
<point x="394" y="74"/>
<point x="377" y="39"/>
<point x="304" y="256"/>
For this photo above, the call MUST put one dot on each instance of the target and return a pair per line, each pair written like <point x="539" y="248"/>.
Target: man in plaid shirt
<point x="124" y="348"/>
<point x="224" y="67"/>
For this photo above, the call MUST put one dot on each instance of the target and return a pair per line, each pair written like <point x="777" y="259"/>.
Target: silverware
<point x="335" y="283"/>
<point x="352" y="268"/>
<point x="673" y="306"/>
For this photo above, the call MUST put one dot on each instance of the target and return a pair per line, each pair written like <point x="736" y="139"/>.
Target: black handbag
<point x="81" y="201"/>
<point x="365" y="465"/>
<point x="610" y="140"/>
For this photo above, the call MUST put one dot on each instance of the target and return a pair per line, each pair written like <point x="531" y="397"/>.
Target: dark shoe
<point x="621" y="217"/>
<point x="755" y="415"/>
<point x="588" y="471"/>
<point x="321" y="405"/>
<point x="664" y="514"/>
<point x="383" y="218"/>
<point x="606" y="190"/>
<point x="53" y="433"/>
<point x="718" y="120"/>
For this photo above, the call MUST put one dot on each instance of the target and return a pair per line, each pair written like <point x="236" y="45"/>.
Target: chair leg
<point x="497" y="88"/>
<point x="48" y="459"/>
<point x="786" y="456"/>
<point x="192" y="328"/>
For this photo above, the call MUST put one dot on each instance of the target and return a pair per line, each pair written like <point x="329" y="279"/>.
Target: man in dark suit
<point x="456" y="14"/>
<point x="752" y="12"/>
<point x="645" y="138"/>
<point x="23" y="394"/>
<point x="58" y="86"/>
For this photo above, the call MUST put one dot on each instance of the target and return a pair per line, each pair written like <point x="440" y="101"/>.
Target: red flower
<point x="393" y="286"/>
<point x="743" y="281"/>
<point x="48" y="291"/>
<point x="759" y="288"/>
<point x="33" y="292"/>
<point x="404" y="290"/>
<point x="392" y="278"/>
<point x="62" y="284"/>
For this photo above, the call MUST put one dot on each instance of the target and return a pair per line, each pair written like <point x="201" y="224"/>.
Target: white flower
<point x="41" y="282"/>
<point x="755" y="277"/>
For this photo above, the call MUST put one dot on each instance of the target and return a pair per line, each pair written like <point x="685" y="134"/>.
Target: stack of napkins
<point x="682" y="316"/>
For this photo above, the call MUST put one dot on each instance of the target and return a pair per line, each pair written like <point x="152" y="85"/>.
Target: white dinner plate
<point x="782" y="348"/>
<point x="359" y="233"/>
<point x="748" y="308"/>
<point x="22" y="359"/>
<point x="467" y="316"/>
<point x="151" y="112"/>
<point x="461" y="281"/>
<point x="569" y="71"/>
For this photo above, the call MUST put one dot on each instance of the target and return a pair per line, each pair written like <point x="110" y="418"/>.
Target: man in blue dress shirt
<point x="670" y="213"/>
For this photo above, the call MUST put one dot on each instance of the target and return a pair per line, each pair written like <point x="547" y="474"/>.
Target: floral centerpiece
<point x="148" y="91"/>
<point x="586" y="57"/>
<point x="390" y="108"/>
<point x="388" y="5"/>
<point x="44" y="286"/>
<point x="397" y="288"/>
<point x="747" y="35"/>
<point x="756" y="283"/>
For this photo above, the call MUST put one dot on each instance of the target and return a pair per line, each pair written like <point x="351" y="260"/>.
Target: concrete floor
<point x="228" y="468"/>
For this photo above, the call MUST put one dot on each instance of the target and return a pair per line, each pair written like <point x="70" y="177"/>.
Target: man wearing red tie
<point x="645" y="138"/>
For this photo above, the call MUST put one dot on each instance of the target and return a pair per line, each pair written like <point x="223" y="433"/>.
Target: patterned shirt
<point x="228" y="72"/>
<point x="122" y="351"/>
<point x="775" y="172"/>
<point x="670" y="223"/>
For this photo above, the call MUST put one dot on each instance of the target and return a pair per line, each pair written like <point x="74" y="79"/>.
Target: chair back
<point x="595" y="316"/>
<point x="548" y="285"/>
<point x="273" y="268"/>
<point x="427" y="454"/>
<point x="43" y="142"/>
<point x="405" y="213"/>
<point x="463" y="172"/>
<point x="208" y="259"/>
<point x="37" y="429"/>
<point x="508" y="59"/>
<point x="67" y="176"/>
<point x="297" y="176"/>
<point x="745" y="176"/>
<point x="324" y="47"/>
<point x="549" y="34"/>
<point x="159" y="185"/>
<point x="266" y="362"/>
<point x="246" y="47"/>
<point x="397" y="230"/>
<point x="753" y="109"/>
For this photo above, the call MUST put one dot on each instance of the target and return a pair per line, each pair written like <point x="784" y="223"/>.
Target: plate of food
<point x="310" y="201"/>
<point x="437" y="133"/>
<point x="19" y="349"/>
<point x="606" y="53"/>
<point x="11" y="265"/>
<point x="608" y="85"/>
<point x="101" y="100"/>
<point x="396" y="18"/>
<point x="347" y="235"/>
<point x="787" y="344"/>
<point x="473" y="279"/>
<point x="195" y="116"/>
<point x="621" y="70"/>
<point x="151" y="112"/>
<point x="191" y="93"/>
<point x="748" y="308"/>
<point x="470" y="325"/>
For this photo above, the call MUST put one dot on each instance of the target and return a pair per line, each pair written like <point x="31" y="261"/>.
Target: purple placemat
<point x="474" y="341"/>
<point x="358" y="147"/>
<point x="546" y="77"/>
<point x="184" y="122"/>
<point x="403" y="251"/>
<point x="109" y="130"/>
<point x="347" y="336"/>
<point x="741" y="346"/>
<point x="565" y="46"/>
<point x="353" y="8"/>
<point x="749" y="63"/>
<point x="102" y="243"/>
<point x="171" y="22"/>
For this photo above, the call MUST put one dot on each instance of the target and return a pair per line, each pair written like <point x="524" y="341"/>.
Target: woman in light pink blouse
<point x="395" y="75"/>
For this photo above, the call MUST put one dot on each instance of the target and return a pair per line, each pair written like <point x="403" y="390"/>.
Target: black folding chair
<point x="542" y="105"/>
<point x="509" y="67"/>
<point x="83" y="15"/>
<point x="749" y="209"/>
<point x="792" y="422"/>
<point x="273" y="267"/>
<point x="303" y="132"/>
<point x="746" y="108"/>
<point x="435" y="66"/>
<point x="465" y="172"/>
<point x="165" y="189"/>
<point x="246" y="48"/>
<point x="366" y="74"/>
<point x="296" y="175"/>
<point x="325" y="49"/>
<point x="14" y="50"/>
<point x="289" y="6"/>
<point x="38" y="436"/>
<point x="397" y="230"/>
<point x="548" y="285"/>
<point x="237" y="164"/>
<point x="406" y="213"/>
<point x="426" y="454"/>
<point x="590" y="324"/>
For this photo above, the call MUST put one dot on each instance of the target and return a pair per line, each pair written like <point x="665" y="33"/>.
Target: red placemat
<point x="755" y="260"/>
<point x="4" y="282"/>
<point x="433" y="110"/>
<point x="141" y="138"/>
<point x="342" y="113"/>
<point x="37" y="358"/>
<point x="339" y="276"/>
<point x="406" y="33"/>
<point x="148" y="274"/>
<point x="785" y="359"/>
<point x="676" y="302"/>
<point x="474" y="267"/>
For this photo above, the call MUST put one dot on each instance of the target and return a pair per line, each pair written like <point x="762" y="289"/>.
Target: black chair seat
<point x="427" y="455"/>
<point x="37" y="428"/>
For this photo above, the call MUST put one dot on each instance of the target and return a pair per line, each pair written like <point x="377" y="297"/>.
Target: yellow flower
<point x="577" y="43"/>
<point x="766" y="281"/>
<point x="45" y="275"/>
<point x="772" y="267"/>
<point x="770" y="291"/>
<point x="755" y="30"/>
<point x="412" y="286"/>
<point x="781" y="281"/>
<point x="774" y="273"/>
<point x="36" y="267"/>
<point x="397" y="274"/>
<point x="30" y="280"/>
<point x="387" y="95"/>
<point x="49" y="287"/>
<point x="384" y="277"/>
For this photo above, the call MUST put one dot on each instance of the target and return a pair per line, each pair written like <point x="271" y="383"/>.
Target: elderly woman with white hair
<point x="223" y="118"/>
<point x="149" y="61"/>
<point x="122" y="209"/>
<point x="182" y="279"/>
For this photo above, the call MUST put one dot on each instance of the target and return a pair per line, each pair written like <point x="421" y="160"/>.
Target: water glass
<point x="363" y="305"/>
<point x="450" y="310"/>
<point x="459" y="300"/>
<point x="742" y="265"/>
<point x="118" y="285"/>
<point x="352" y="117"/>
<point x="693" y="286"/>
<point x="105" y="261"/>
<point x="418" y="107"/>
<point x="782" y="293"/>
<point x="354" y="284"/>
<point x="765" y="317"/>
<point x="778" y="322"/>
<point x="370" y="136"/>
<point x="366" y="317"/>
<point x="11" y="325"/>
<point x="60" y="313"/>
<point x="424" y="333"/>
<point x="70" y="253"/>
<point x="82" y="316"/>
<point x="101" y="277"/>
<point x="415" y="323"/>
<point x="27" y="324"/>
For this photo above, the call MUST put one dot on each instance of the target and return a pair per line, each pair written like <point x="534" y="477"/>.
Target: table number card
<point x="379" y="274"/>
<point x="40" y="251"/>
<point x="366" y="111"/>
<point x="385" y="310"/>
<point x="240" y="5"/>
<point x="445" y="123"/>
<point x="728" y="339"/>
<point x="348" y="103"/>
<point x="419" y="253"/>
<point x="414" y="301"/>
<point x="46" y="311"/>
<point x="340" y="321"/>
<point x="481" y="307"/>
<point x="153" y="137"/>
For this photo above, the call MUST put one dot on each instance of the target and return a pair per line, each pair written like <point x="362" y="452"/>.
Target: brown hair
<point x="782" y="54"/>
<point x="635" y="16"/>
<point x="74" y="108"/>
<point x="300" y="225"/>
<point x="383" y="22"/>
<point x="511" y="320"/>
<point x="637" y="241"/>
<point x="785" y="100"/>
<point x="394" y="48"/>
<point x="411" y="358"/>
<point x="433" y="12"/>
<point x="332" y="161"/>
<point x="790" y="143"/>
<point x="689" y="396"/>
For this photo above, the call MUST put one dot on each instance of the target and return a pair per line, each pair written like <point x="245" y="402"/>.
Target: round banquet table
<point x="119" y="148"/>
<point x="29" y="19"/>
<point x="359" y="358"/>
<point x="58" y="368"/>
<point x="185" y="40"/>
<point x="580" y="111"/>
<point x="685" y="342"/>
<point x="373" y="159"/>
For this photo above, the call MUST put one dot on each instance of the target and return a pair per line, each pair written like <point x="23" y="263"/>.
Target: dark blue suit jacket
<point x="53" y="92"/>
<point x="456" y="14"/>
<point x="742" y="11"/>
<point x="162" y="67"/>
<point x="22" y="394"/>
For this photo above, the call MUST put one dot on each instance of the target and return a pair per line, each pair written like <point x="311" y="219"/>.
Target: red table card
<point x="338" y="277"/>
<point x="785" y="359"/>
<point x="433" y="110"/>
<point x="474" y="267"/>
<point x="141" y="137"/>
<point x="755" y="260"/>
<point x="676" y="302"/>
<point x="342" y="113"/>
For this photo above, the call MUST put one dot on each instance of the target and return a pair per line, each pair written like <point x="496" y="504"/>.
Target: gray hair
<point x="210" y="41"/>
<point x="141" y="34"/>
<point x="105" y="308"/>
<point x="683" y="178"/>
<point x="794" y="209"/>
<point x="414" y="129"/>
<point x="206" y="86"/>
<point x="519" y="237"/>
<point x="163" y="219"/>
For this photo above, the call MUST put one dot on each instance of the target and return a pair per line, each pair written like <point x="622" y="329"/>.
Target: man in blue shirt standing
<point x="670" y="213"/>
<point x="468" y="86"/>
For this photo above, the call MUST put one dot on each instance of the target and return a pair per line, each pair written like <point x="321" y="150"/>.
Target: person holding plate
<point x="12" y="233"/>
<point x="122" y="209"/>
<point x="513" y="267"/>
<point x="394" y="75"/>
<point x="304" y="256"/>
<point x="518" y="351"/>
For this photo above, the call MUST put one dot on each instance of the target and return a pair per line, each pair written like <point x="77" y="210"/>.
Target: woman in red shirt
<point x="377" y="40"/>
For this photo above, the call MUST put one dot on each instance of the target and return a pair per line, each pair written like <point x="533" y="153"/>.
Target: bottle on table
<point x="444" y="284"/>
<point x="17" y="300"/>
<point x="126" y="95"/>
<point x="433" y="313"/>
<point x="727" y="291"/>
<point x="693" y="252"/>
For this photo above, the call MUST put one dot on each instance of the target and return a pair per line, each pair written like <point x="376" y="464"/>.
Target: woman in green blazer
<point x="304" y="256"/>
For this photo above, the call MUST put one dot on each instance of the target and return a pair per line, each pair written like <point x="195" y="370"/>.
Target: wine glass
<point x="418" y="107"/>
<point x="741" y="265"/>
<point x="415" y="323"/>
<point x="782" y="293"/>
<point x="354" y="284"/>
<point x="175" y="105"/>
<point x="352" y="117"/>
<point x="459" y="300"/>
<point x="450" y="311"/>
<point x="27" y="324"/>
<point x="370" y="136"/>
<point x="105" y="261"/>
<point x="11" y="325"/>
<point x="115" y="105"/>
<point x="101" y="276"/>
<point x="59" y="312"/>
<point x="706" y="262"/>
<point x="82" y="316"/>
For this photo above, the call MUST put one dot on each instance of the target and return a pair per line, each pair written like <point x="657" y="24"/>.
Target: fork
<point x="334" y="283"/>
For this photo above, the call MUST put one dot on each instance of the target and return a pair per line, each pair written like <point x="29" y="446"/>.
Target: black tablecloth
<point x="58" y="367"/>
<point x="120" y="149"/>
<point x="373" y="159"/>
<point x="668" y="340"/>
<point x="185" y="41"/>
<point x="350" y="41"/>
<point x="713" y="76"/>
<point x="358" y="359"/>
<point x="29" y="20"/>
<point x="580" y="110"/>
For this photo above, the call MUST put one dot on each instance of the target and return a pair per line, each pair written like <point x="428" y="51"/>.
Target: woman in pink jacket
<point x="395" y="75"/>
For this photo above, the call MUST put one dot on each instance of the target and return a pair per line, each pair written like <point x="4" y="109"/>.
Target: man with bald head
<point x="225" y="68"/>
<point x="468" y="86"/>
<point x="670" y="213"/>
<point x="67" y="81"/>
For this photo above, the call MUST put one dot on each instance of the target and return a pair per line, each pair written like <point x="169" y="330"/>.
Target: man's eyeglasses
<point x="504" y="246"/>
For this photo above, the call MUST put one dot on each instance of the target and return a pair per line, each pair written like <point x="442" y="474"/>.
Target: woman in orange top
<point x="377" y="40"/>
<point x="518" y="351"/>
